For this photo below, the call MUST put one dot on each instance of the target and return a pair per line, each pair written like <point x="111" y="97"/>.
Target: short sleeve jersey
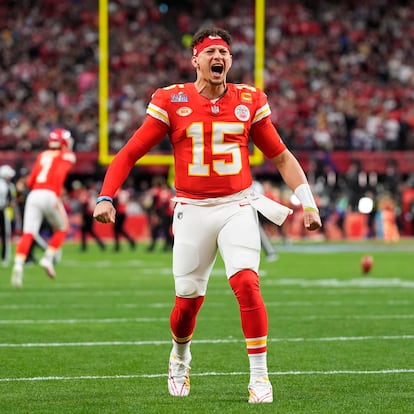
<point x="51" y="169"/>
<point x="211" y="138"/>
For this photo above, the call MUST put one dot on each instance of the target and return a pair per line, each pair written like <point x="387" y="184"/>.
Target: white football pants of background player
<point x="44" y="204"/>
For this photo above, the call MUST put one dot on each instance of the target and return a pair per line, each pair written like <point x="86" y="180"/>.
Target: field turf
<point x="97" y="340"/>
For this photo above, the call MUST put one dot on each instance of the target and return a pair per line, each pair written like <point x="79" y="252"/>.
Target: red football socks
<point x="57" y="239"/>
<point x="24" y="244"/>
<point x="183" y="318"/>
<point x="245" y="285"/>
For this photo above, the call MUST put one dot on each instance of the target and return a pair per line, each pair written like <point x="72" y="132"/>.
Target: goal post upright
<point x="103" y="83"/>
<point x="259" y="29"/>
<point x="104" y="157"/>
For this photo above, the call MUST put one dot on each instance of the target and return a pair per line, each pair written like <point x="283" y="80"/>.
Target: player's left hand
<point x="311" y="220"/>
<point x="104" y="212"/>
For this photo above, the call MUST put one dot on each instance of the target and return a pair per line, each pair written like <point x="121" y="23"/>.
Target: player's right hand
<point x="104" y="212"/>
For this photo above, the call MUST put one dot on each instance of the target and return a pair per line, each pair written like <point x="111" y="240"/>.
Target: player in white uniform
<point x="43" y="202"/>
<point x="7" y="200"/>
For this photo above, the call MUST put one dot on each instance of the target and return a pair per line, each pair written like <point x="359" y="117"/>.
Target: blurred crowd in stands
<point x="339" y="75"/>
<point x="354" y="205"/>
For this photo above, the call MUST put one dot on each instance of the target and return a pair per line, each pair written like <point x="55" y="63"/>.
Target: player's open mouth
<point x="217" y="69"/>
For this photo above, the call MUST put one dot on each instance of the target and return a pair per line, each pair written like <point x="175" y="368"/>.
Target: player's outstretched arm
<point x="104" y="212"/>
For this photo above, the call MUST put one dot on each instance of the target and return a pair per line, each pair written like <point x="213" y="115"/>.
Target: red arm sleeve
<point x="266" y="138"/>
<point x="147" y="136"/>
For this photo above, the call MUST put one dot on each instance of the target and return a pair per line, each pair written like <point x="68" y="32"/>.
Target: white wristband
<point x="304" y="194"/>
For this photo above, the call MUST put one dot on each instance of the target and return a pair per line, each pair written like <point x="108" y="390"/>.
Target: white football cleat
<point x="48" y="266"/>
<point x="260" y="391"/>
<point x="179" y="376"/>
<point x="17" y="276"/>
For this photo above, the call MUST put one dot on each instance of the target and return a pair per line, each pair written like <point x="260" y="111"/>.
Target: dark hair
<point x="210" y="31"/>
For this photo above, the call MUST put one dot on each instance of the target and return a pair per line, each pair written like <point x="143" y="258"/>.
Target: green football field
<point x="97" y="340"/>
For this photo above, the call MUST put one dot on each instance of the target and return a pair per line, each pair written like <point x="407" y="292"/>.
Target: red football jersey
<point x="50" y="170"/>
<point x="210" y="139"/>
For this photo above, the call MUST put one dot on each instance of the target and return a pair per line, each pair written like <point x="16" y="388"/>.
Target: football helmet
<point x="60" y="138"/>
<point x="7" y="172"/>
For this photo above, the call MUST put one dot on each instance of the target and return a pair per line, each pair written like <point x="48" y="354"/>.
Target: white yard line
<point x="363" y="282"/>
<point x="203" y="341"/>
<point x="206" y="374"/>
<point x="295" y="303"/>
<point x="165" y="319"/>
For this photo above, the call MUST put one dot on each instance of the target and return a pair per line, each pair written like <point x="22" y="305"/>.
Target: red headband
<point x="209" y="41"/>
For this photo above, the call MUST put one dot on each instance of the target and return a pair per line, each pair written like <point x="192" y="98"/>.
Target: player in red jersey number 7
<point x="43" y="202"/>
<point x="209" y="123"/>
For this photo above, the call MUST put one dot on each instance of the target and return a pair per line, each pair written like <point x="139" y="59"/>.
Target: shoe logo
<point x="244" y="204"/>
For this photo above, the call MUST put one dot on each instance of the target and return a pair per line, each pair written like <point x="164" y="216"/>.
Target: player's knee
<point x="186" y="287"/>
<point x="245" y="285"/>
<point x="188" y="306"/>
<point x="245" y="280"/>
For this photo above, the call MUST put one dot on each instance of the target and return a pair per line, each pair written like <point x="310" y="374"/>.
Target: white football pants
<point x="44" y="204"/>
<point x="200" y="231"/>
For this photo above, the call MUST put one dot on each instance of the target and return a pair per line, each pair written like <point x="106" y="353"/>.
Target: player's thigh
<point x="239" y="241"/>
<point x="195" y="247"/>
<point x="33" y="215"/>
<point x="56" y="215"/>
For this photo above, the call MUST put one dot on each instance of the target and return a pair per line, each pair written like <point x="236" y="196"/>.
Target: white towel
<point x="272" y="210"/>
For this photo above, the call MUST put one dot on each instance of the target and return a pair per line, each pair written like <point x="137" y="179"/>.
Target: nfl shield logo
<point x="215" y="109"/>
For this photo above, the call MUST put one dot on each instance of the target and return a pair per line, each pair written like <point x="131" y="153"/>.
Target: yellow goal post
<point x="256" y="158"/>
